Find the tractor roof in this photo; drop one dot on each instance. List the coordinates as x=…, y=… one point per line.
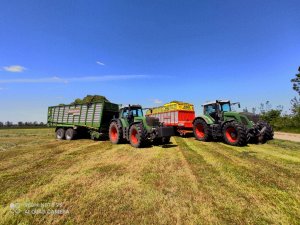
x=132, y=106
x=214, y=102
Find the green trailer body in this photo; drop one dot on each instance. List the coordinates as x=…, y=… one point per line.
x=94, y=116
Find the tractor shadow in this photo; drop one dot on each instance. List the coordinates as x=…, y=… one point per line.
x=169, y=145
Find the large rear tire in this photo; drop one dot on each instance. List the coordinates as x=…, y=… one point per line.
x=115, y=133
x=235, y=134
x=201, y=130
x=71, y=134
x=269, y=132
x=60, y=133
x=137, y=136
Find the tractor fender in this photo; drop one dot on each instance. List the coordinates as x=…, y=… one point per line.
x=206, y=119
x=227, y=121
x=117, y=121
x=133, y=123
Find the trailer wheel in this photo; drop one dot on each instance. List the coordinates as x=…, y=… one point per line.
x=70, y=134
x=235, y=134
x=60, y=133
x=137, y=136
x=115, y=133
x=201, y=130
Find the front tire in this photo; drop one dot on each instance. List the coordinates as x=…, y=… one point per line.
x=235, y=134
x=115, y=133
x=201, y=130
x=136, y=136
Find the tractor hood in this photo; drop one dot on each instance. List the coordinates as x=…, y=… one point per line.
x=240, y=117
x=150, y=121
x=251, y=116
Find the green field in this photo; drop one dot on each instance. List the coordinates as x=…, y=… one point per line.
x=187, y=182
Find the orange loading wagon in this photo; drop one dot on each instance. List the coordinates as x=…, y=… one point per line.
x=179, y=115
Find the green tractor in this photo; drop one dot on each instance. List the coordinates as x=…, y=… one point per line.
x=220, y=122
x=131, y=125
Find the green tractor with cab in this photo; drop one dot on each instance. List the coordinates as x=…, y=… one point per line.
x=235, y=128
x=131, y=125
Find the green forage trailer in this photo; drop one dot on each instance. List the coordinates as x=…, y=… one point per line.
x=71, y=121
x=105, y=118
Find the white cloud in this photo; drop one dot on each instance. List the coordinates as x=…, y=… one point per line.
x=157, y=101
x=75, y=79
x=14, y=68
x=100, y=63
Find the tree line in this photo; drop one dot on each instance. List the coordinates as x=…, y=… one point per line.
x=9, y=124
x=280, y=120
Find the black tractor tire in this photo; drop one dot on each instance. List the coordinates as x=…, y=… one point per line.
x=71, y=134
x=115, y=133
x=60, y=133
x=235, y=134
x=165, y=140
x=137, y=135
x=201, y=130
x=269, y=132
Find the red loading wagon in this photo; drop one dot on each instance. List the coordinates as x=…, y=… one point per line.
x=179, y=115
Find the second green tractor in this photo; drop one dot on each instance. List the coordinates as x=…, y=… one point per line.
x=220, y=122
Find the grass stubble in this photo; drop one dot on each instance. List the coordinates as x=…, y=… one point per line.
x=189, y=182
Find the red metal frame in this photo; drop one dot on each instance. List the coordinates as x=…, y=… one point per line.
x=181, y=119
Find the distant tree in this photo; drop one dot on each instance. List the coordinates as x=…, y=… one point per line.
x=20, y=124
x=268, y=106
x=42, y=124
x=271, y=115
x=245, y=109
x=254, y=110
x=262, y=108
x=296, y=82
x=295, y=105
x=8, y=124
x=1, y=124
x=295, y=102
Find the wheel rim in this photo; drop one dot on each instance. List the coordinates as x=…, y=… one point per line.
x=231, y=134
x=68, y=135
x=113, y=133
x=59, y=134
x=133, y=137
x=200, y=130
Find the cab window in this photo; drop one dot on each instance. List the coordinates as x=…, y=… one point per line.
x=137, y=112
x=210, y=109
x=125, y=113
x=226, y=107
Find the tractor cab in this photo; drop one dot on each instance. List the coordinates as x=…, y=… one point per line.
x=130, y=112
x=216, y=109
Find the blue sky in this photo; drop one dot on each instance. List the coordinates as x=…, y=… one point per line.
x=147, y=52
